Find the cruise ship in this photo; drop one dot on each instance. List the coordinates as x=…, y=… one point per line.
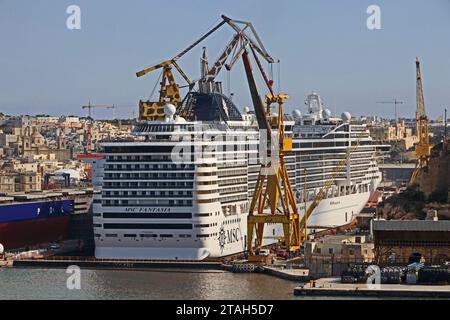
x=180, y=189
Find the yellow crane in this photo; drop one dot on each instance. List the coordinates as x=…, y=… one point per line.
x=273, y=187
x=169, y=90
x=423, y=147
x=295, y=229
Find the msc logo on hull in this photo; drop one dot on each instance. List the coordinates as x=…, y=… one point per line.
x=229, y=236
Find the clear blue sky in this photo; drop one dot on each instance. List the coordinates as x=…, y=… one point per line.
x=324, y=46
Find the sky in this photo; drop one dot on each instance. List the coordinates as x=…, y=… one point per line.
x=324, y=46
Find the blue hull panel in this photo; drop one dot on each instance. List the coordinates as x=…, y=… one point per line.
x=35, y=210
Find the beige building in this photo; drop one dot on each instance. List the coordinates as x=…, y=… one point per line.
x=399, y=134
x=6, y=139
x=20, y=182
x=330, y=255
x=34, y=144
x=7, y=182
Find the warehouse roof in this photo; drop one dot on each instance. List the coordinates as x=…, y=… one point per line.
x=411, y=225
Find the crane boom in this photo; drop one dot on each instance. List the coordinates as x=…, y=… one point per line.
x=273, y=189
x=259, y=47
x=170, y=90
x=214, y=71
x=260, y=113
x=423, y=147
x=90, y=106
x=182, y=53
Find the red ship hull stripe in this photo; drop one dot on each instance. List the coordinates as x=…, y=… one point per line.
x=22, y=234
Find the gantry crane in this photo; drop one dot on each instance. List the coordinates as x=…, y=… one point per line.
x=273, y=199
x=273, y=187
x=423, y=147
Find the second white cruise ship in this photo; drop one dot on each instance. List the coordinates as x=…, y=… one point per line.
x=181, y=188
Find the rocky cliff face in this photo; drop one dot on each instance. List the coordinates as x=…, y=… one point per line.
x=403, y=206
x=420, y=203
x=399, y=208
x=436, y=177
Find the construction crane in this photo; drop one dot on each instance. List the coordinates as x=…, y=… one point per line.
x=90, y=107
x=423, y=147
x=395, y=102
x=273, y=186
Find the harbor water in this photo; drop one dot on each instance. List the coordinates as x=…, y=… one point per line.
x=151, y=285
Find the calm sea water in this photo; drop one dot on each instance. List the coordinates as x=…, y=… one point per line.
x=110, y=284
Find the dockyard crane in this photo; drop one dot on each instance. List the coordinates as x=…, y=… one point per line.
x=273, y=200
x=170, y=90
x=423, y=147
x=241, y=36
x=273, y=189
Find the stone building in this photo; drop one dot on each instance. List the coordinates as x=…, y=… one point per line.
x=34, y=144
x=403, y=241
x=20, y=182
x=398, y=134
x=330, y=255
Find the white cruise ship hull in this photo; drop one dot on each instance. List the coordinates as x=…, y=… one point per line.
x=330, y=212
x=181, y=190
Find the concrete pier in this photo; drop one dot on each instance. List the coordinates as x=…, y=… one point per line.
x=117, y=264
x=333, y=287
x=299, y=275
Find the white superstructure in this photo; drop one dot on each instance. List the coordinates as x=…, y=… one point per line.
x=181, y=189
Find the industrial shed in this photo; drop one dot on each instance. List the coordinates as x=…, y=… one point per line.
x=407, y=241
